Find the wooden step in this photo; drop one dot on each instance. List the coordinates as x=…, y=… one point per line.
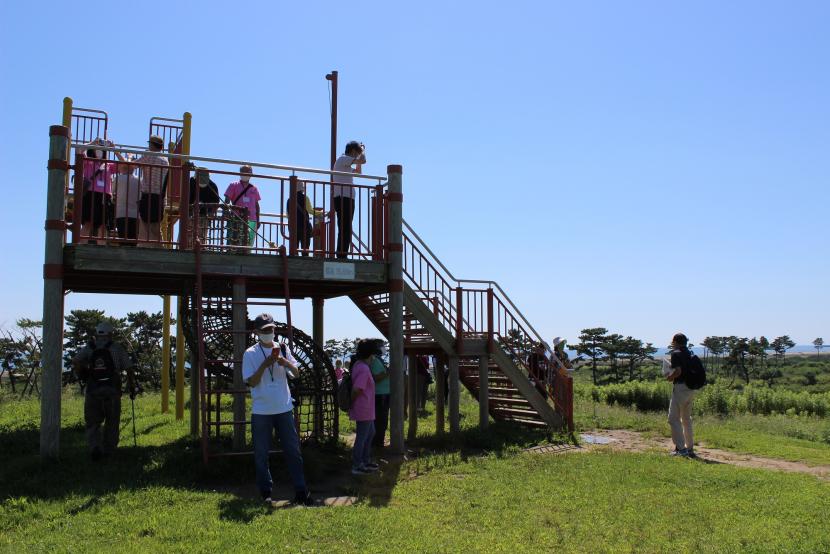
x=527, y=422
x=514, y=401
x=516, y=413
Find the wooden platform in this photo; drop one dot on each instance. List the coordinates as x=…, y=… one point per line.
x=132, y=270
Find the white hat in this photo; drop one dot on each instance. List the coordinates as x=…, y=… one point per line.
x=103, y=328
x=557, y=341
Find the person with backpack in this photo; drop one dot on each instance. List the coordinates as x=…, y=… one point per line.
x=99, y=365
x=266, y=368
x=362, y=409
x=243, y=222
x=687, y=375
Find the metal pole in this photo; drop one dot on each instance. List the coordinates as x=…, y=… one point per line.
x=396, y=287
x=333, y=78
x=52, y=364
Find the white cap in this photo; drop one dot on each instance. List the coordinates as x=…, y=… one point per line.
x=557, y=341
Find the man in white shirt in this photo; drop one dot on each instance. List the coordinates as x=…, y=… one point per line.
x=343, y=194
x=266, y=367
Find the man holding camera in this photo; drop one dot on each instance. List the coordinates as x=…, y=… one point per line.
x=343, y=192
x=266, y=367
x=99, y=365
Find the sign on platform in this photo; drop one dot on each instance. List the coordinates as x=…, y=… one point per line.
x=338, y=270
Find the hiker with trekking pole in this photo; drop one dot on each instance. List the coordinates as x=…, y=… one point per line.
x=100, y=364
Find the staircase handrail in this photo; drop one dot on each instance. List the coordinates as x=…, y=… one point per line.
x=494, y=284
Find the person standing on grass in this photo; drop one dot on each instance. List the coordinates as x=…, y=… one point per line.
x=266, y=367
x=680, y=406
x=380, y=373
x=99, y=366
x=344, y=195
x=362, y=411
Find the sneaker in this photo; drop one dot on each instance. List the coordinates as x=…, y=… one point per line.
x=360, y=471
x=303, y=499
x=371, y=466
x=266, y=497
x=691, y=454
x=682, y=452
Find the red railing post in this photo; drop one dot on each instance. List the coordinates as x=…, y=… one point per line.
x=377, y=224
x=490, y=344
x=292, y=215
x=78, y=196
x=459, y=317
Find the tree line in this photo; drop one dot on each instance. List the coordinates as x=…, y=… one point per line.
x=622, y=357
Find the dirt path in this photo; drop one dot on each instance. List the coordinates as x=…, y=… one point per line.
x=632, y=441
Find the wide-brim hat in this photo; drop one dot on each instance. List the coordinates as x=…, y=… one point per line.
x=156, y=140
x=103, y=328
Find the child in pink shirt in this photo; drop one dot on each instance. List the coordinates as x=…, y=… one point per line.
x=362, y=411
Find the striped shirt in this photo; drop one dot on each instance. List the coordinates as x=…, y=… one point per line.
x=152, y=177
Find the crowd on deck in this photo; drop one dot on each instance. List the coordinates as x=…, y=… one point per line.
x=127, y=197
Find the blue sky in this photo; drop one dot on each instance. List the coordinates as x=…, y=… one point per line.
x=644, y=166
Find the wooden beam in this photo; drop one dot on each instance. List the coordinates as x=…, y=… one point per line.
x=483, y=392
x=396, y=301
x=51, y=356
x=240, y=324
x=440, y=394
x=455, y=391
x=412, y=389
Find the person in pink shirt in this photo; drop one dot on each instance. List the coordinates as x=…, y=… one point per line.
x=242, y=224
x=362, y=410
x=97, y=192
x=338, y=370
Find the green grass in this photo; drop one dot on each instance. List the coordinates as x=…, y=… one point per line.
x=481, y=494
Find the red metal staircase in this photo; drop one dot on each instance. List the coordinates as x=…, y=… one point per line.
x=469, y=319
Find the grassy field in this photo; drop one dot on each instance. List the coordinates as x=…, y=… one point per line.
x=478, y=494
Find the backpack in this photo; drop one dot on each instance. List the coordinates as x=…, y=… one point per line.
x=101, y=366
x=344, y=392
x=694, y=373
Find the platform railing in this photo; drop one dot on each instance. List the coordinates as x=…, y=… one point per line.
x=306, y=220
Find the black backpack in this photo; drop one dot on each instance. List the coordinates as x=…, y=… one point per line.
x=694, y=373
x=101, y=366
x=344, y=392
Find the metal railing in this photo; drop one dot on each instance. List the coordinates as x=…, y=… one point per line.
x=307, y=220
x=475, y=313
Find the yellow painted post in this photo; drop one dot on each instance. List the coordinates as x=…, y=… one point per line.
x=194, y=382
x=165, y=358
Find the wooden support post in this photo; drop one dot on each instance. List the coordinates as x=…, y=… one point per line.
x=395, y=249
x=317, y=326
x=165, y=356
x=51, y=357
x=455, y=414
x=180, y=358
x=412, y=401
x=483, y=392
x=240, y=323
x=317, y=320
x=440, y=394
x=195, y=398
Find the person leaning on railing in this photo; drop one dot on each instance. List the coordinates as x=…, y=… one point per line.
x=244, y=195
x=304, y=211
x=97, y=192
x=204, y=191
x=343, y=193
x=126, y=203
x=151, y=202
